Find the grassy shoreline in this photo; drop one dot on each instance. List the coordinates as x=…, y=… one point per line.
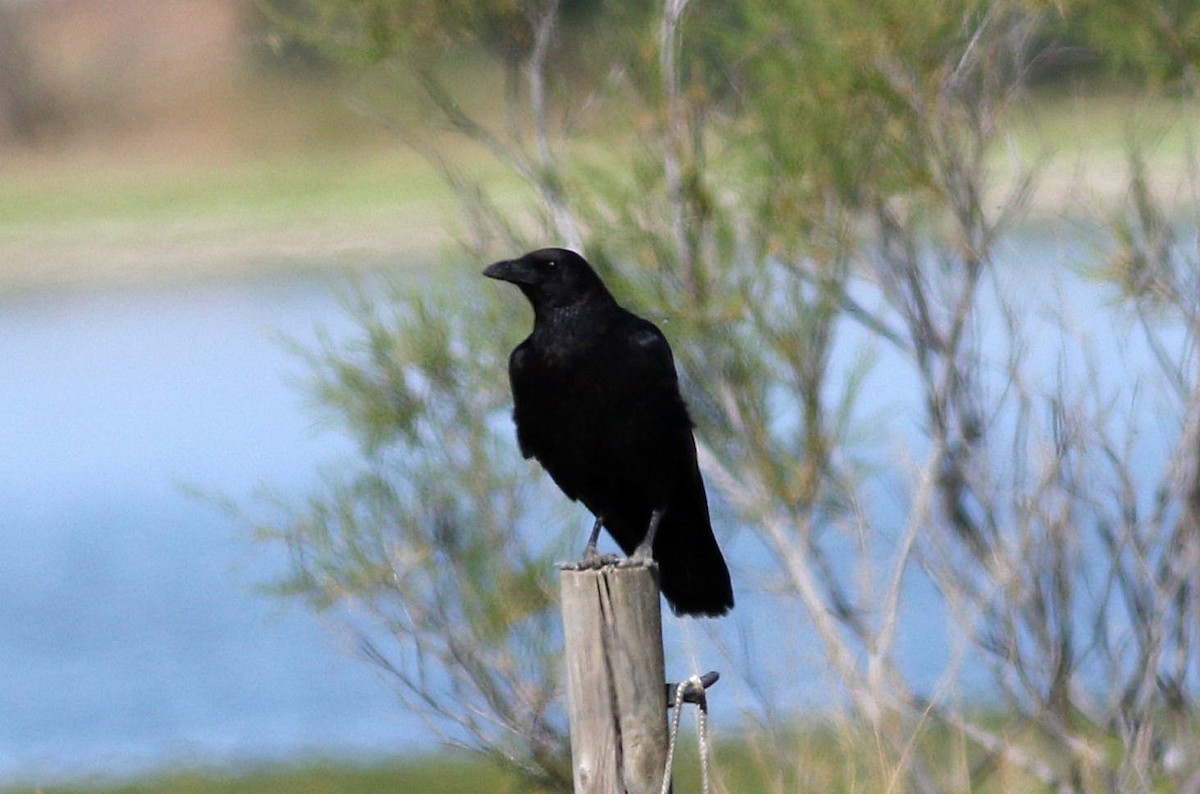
x=819, y=754
x=426, y=774
x=92, y=218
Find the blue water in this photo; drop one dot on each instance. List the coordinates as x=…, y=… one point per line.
x=131, y=632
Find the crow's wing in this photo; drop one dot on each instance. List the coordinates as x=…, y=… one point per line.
x=524, y=378
x=651, y=359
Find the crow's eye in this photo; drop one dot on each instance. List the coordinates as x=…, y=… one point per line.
x=553, y=263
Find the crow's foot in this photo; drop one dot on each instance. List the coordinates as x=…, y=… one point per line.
x=642, y=556
x=591, y=560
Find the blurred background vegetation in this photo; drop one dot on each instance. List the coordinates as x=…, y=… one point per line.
x=766, y=175
x=203, y=141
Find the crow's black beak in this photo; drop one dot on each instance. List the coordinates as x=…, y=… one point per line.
x=515, y=271
x=498, y=270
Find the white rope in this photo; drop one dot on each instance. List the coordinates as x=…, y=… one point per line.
x=695, y=684
x=702, y=740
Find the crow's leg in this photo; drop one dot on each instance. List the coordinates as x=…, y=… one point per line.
x=595, y=536
x=591, y=558
x=644, y=553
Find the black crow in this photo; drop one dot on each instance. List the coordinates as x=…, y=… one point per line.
x=596, y=400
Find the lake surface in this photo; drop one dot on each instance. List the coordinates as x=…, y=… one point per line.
x=131, y=632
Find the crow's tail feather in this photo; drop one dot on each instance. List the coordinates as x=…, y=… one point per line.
x=692, y=573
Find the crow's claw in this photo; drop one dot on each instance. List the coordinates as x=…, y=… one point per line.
x=642, y=556
x=591, y=560
x=594, y=560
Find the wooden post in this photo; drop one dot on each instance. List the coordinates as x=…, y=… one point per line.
x=612, y=620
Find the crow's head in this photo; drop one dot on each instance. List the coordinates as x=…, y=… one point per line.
x=550, y=277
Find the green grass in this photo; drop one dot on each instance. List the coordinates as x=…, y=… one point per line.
x=833, y=756
x=91, y=220
x=277, y=149
x=370, y=175
x=1101, y=124
x=96, y=192
x=735, y=764
x=427, y=775
x=299, y=181
x=272, y=179
x=827, y=759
